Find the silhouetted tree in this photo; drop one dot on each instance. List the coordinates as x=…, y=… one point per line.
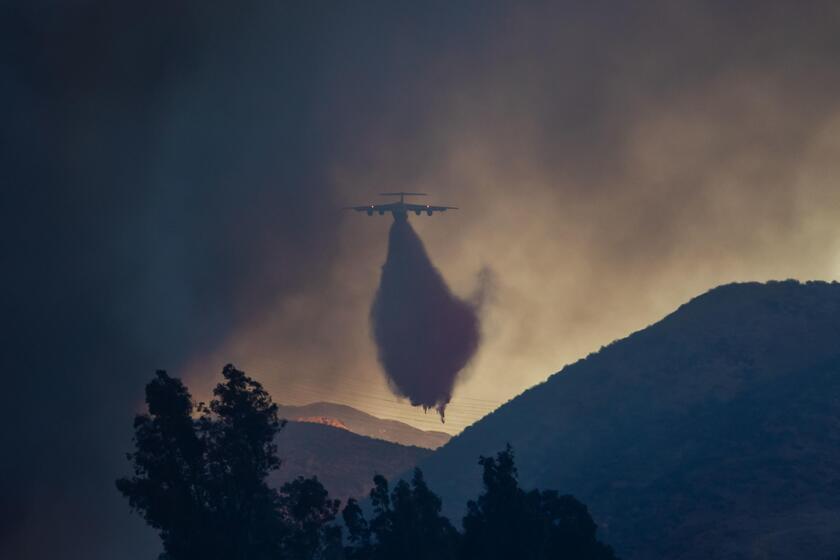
x=239, y=427
x=200, y=477
x=308, y=513
x=507, y=522
x=406, y=524
x=169, y=486
x=358, y=532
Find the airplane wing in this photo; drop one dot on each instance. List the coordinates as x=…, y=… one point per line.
x=399, y=208
x=427, y=208
x=371, y=208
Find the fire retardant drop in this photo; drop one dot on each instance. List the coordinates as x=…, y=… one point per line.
x=424, y=334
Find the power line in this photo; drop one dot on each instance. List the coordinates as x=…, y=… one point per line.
x=364, y=383
x=367, y=394
x=380, y=402
x=394, y=413
x=398, y=412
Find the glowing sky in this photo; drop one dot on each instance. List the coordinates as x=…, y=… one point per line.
x=606, y=170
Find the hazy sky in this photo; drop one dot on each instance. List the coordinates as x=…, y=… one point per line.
x=608, y=166
x=174, y=173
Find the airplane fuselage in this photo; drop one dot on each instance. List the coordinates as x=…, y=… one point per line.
x=400, y=209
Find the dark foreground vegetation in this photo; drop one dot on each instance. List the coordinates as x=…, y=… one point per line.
x=200, y=480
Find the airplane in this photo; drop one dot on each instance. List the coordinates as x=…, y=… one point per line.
x=400, y=209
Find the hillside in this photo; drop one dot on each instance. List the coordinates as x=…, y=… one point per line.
x=343, y=461
x=340, y=415
x=711, y=434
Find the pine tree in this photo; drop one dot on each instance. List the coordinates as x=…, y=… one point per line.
x=406, y=524
x=508, y=522
x=309, y=512
x=200, y=477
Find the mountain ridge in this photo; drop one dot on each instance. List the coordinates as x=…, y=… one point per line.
x=344, y=462
x=365, y=424
x=632, y=429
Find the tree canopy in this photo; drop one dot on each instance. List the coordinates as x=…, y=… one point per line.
x=406, y=524
x=200, y=476
x=508, y=522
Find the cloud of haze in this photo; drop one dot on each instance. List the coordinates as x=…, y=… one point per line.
x=609, y=163
x=173, y=173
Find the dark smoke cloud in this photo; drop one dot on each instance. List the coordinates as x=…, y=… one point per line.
x=170, y=172
x=425, y=335
x=146, y=154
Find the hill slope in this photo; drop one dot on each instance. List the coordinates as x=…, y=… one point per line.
x=711, y=434
x=365, y=424
x=343, y=461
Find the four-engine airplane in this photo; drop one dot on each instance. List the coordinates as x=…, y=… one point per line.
x=402, y=208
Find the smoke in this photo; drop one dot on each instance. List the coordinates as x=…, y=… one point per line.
x=172, y=166
x=425, y=335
